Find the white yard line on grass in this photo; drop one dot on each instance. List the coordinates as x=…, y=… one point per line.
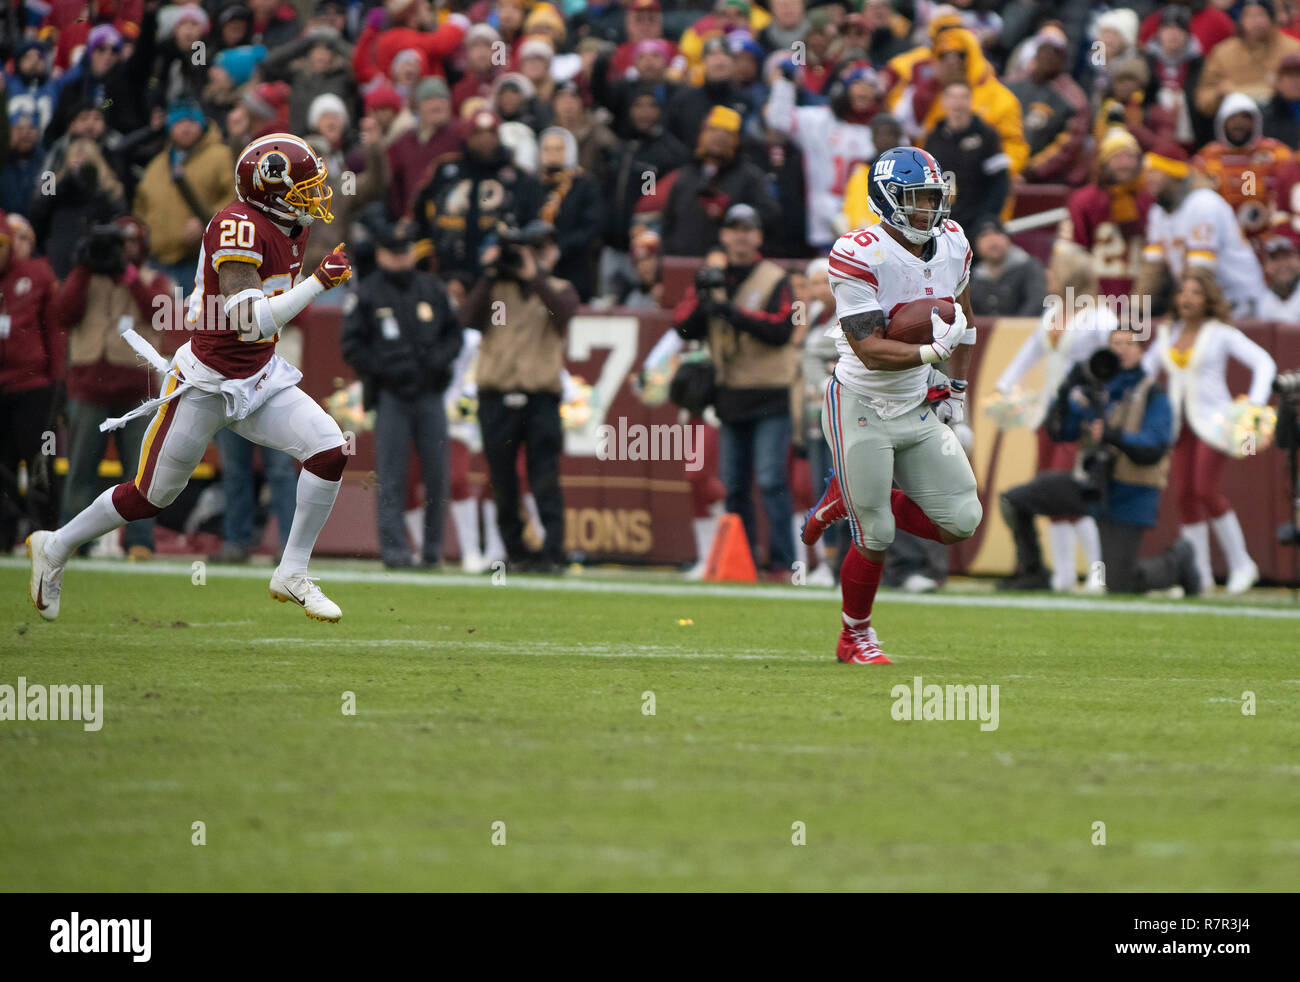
x=577, y=584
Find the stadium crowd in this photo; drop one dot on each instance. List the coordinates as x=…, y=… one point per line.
x=586, y=141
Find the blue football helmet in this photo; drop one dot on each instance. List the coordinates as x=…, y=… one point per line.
x=897, y=177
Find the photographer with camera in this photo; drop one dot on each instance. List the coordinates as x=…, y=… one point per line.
x=1124, y=426
x=523, y=312
x=745, y=311
x=402, y=337
x=109, y=288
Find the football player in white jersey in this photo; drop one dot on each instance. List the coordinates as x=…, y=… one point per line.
x=1193, y=226
x=885, y=416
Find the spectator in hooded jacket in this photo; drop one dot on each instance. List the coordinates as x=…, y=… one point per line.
x=572, y=206
x=597, y=145
x=715, y=180
x=955, y=57
x=1244, y=166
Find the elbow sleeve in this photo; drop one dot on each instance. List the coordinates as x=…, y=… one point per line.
x=274, y=312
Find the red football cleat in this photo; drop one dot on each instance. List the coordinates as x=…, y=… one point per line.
x=826, y=512
x=858, y=646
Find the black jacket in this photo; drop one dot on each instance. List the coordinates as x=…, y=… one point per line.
x=577, y=233
x=976, y=166
x=688, y=230
x=641, y=155
x=1280, y=123
x=691, y=105
x=402, y=337
x=121, y=92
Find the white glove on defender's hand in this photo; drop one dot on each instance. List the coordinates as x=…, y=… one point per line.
x=947, y=336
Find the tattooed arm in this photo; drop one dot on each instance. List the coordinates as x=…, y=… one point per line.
x=866, y=336
x=241, y=286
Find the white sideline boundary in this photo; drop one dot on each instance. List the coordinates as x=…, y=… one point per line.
x=579, y=584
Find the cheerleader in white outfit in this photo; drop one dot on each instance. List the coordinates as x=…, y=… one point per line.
x=1193, y=353
x=1068, y=333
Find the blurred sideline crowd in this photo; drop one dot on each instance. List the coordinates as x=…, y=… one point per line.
x=539, y=156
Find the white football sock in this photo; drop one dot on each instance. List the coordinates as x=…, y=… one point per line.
x=413, y=519
x=315, y=499
x=534, y=516
x=800, y=550
x=1198, y=534
x=1085, y=530
x=97, y=518
x=493, y=549
x=705, y=529
x=1061, y=537
x=464, y=515
x=1227, y=529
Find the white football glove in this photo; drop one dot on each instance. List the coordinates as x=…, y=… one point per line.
x=953, y=409
x=947, y=336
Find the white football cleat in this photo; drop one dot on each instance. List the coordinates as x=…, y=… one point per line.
x=919, y=583
x=303, y=591
x=821, y=576
x=473, y=562
x=47, y=579
x=1243, y=578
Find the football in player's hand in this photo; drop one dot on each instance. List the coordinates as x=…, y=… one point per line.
x=911, y=322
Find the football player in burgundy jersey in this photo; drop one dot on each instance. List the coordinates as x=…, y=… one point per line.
x=248, y=285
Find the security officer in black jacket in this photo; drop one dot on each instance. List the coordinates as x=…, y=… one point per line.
x=401, y=336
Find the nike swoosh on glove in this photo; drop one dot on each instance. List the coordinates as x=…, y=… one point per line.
x=334, y=268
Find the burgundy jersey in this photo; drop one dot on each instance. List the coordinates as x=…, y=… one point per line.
x=239, y=233
x=1116, y=247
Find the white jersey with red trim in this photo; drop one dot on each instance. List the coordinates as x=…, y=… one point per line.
x=869, y=270
x=1203, y=231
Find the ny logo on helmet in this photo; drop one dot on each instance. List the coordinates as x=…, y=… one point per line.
x=884, y=168
x=273, y=168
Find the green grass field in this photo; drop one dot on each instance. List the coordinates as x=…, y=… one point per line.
x=522, y=704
